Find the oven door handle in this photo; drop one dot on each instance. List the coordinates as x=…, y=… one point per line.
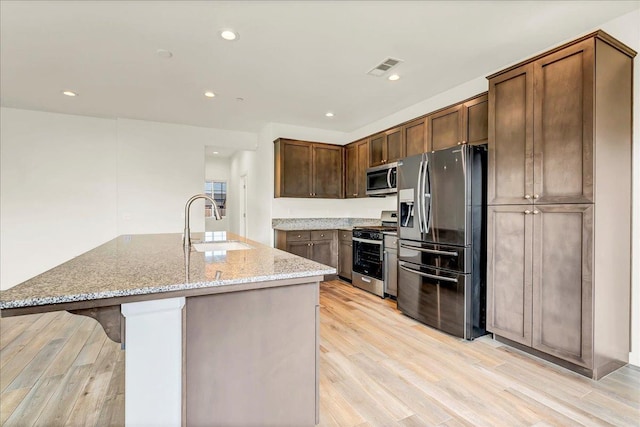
x=430, y=251
x=427, y=275
x=374, y=242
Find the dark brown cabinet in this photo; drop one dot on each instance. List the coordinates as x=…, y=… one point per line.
x=357, y=162
x=386, y=147
x=307, y=169
x=318, y=245
x=345, y=253
x=445, y=128
x=539, y=270
x=414, y=134
x=465, y=123
x=559, y=194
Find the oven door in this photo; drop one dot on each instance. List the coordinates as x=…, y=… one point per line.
x=367, y=257
x=434, y=296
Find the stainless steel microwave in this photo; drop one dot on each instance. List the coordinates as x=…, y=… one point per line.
x=382, y=180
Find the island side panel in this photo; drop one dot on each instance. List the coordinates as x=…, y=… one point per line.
x=252, y=357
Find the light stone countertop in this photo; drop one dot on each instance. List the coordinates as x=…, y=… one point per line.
x=155, y=263
x=296, y=224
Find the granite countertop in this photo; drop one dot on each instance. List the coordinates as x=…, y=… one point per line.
x=155, y=263
x=295, y=224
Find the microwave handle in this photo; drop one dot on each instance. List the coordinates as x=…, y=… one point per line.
x=389, y=185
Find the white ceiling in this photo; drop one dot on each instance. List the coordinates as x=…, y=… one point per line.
x=294, y=61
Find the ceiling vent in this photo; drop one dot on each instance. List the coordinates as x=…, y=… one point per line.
x=382, y=68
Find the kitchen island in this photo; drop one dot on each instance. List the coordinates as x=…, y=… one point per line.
x=224, y=337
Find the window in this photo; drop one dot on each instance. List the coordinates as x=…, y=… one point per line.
x=217, y=190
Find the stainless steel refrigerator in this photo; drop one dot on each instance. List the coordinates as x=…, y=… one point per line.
x=442, y=232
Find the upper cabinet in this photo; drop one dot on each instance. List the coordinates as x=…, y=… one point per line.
x=312, y=169
x=445, y=128
x=542, y=129
x=356, y=162
x=308, y=169
x=414, y=134
x=386, y=147
x=465, y=123
x=476, y=120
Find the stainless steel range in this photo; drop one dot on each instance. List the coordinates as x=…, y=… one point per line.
x=368, y=254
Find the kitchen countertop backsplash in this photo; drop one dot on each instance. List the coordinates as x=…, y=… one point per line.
x=286, y=224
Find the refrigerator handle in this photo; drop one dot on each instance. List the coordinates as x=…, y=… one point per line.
x=427, y=275
x=417, y=202
x=427, y=178
x=424, y=226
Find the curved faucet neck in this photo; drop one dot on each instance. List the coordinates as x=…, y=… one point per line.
x=187, y=208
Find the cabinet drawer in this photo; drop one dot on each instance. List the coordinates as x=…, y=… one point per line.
x=322, y=235
x=345, y=236
x=296, y=236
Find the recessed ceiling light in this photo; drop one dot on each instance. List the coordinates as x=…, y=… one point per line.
x=163, y=53
x=394, y=77
x=229, y=35
x=329, y=114
x=209, y=94
x=215, y=152
x=69, y=93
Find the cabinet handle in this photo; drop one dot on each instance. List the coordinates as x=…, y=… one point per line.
x=527, y=212
x=355, y=194
x=535, y=212
x=464, y=142
x=536, y=196
x=322, y=235
x=299, y=235
x=311, y=194
x=526, y=196
x=459, y=143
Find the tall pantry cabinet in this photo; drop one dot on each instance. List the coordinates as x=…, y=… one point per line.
x=559, y=204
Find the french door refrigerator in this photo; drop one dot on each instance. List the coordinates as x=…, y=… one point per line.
x=442, y=233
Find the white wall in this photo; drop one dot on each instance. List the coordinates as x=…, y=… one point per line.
x=58, y=189
x=218, y=169
x=627, y=30
x=70, y=183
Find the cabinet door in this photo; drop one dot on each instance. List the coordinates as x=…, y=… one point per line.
x=345, y=259
x=351, y=167
x=563, y=126
x=322, y=252
x=510, y=162
x=377, y=149
x=476, y=120
x=327, y=171
x=414, y=137
x=509, y=275
x=295, y=173
x=562, y=282
x=363, y=165
x=445, y=128
x=302, y=249
x=395, y=149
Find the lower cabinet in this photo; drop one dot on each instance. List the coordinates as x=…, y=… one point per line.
x=345, y=254
x=318, y=245
x=540, y=279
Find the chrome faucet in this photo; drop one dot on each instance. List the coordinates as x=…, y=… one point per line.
x=187, y=231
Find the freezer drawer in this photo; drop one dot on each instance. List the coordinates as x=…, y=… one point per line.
x=453, y=258
x=440, y=299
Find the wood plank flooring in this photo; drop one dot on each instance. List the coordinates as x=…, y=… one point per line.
x=377, y=368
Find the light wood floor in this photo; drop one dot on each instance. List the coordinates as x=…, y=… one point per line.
x=378, y=368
